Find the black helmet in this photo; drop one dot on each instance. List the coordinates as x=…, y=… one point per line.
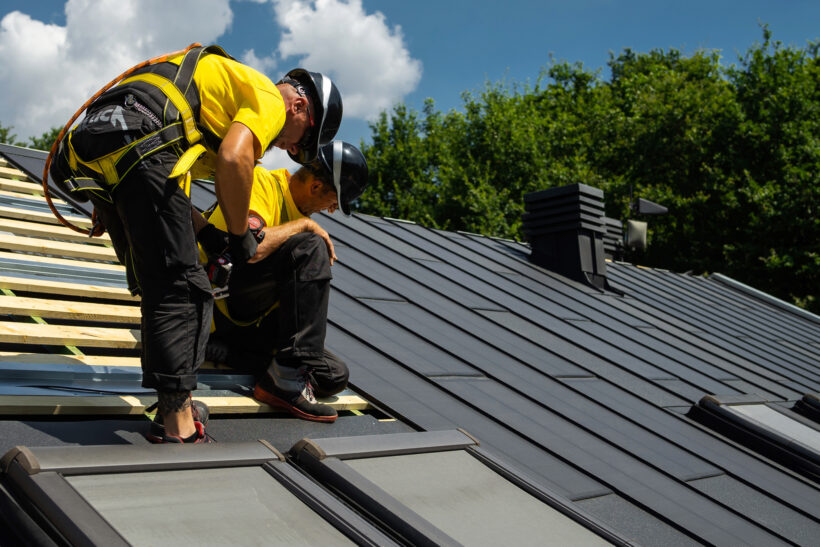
x=346, y=167
x=327, y=111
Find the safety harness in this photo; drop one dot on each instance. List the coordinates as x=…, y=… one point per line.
x=167, y=87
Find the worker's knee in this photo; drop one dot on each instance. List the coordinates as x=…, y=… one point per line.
x=310, y=257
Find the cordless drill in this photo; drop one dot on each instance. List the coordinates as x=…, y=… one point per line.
x=219, y=267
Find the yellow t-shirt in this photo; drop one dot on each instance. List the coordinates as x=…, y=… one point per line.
x=270, y=200
x=232, y=92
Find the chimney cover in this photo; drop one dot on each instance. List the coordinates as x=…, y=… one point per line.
x=565, y=228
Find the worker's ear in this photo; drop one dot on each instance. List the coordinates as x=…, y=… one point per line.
x=316, y=187
x=299, y=104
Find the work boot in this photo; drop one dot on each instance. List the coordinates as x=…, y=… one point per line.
x=199, y=437
x=298, y=400
x=199, y=411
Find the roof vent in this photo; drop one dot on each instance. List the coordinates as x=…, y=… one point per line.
x=565, y=228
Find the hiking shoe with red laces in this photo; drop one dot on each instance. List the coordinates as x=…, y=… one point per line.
x=199, y=437
x=301, y=403
x=199, y=412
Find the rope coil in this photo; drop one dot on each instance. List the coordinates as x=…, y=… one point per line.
x=97, y=229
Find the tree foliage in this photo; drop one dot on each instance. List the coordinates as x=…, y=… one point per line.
x=6, y=136
x=733, y=152
x=43, y=142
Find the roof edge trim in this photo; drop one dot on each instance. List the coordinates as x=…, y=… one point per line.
x=760, y=295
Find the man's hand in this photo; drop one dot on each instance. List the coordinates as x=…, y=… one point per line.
x=213, y=240
x=318, y=230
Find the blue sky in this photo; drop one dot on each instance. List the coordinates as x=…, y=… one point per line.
x=459, y=44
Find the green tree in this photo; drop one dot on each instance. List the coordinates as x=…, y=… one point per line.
x=6, y=136
x=44, y=141
x=778, y=157
x=733, y=152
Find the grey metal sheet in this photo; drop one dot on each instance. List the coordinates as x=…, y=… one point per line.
x=578, y=429
x=83, y=460
x=469, y=502
x=371, y=446
x=771, y=326
x=384, y=265
x=631, y=520
x=779, y=370
x=425, y=406
x=725, y=307
x=79, y=274
x=350, y=282
x=516, y=257
x=394, y=339
x=521, y=286
x=687, y=391
x=733, y=370
x=649, y=392
x=769, y=512
x=782, y=394
x=664, y=356
x=754, y=349
x=471, y=349
x=683, y=305
x=251, y=508
x=339, y=224
x=757, y=310
x=579, y=349
x=40, y=206
x=59, y=370
x=680, y=341
x=474, y=275
x=690, y=436
x=637, y=349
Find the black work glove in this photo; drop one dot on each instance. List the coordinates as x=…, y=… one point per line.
x=213, y=240
x=241, y=248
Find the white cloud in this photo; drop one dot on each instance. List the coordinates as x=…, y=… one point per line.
x=262, y=64
x=276, y=158
x=365, y=57
x=48, y=71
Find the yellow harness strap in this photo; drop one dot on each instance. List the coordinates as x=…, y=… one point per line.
x=187, y=159
x=105, y=165
x=176, y=97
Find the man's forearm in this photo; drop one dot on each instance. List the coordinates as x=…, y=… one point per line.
x=234, y=176
x=275, y=236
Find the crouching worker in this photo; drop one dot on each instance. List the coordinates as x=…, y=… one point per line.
x=276, y=311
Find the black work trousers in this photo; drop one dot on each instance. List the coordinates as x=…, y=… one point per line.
x=297, y=277
x=149, y=220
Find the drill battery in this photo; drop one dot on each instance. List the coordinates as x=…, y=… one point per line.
x=219, y=268
x=219, y=273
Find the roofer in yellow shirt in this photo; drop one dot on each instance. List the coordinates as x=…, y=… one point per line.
x=277, y=306
x=201, y=112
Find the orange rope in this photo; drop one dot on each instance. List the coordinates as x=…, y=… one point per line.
x=99, y=229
